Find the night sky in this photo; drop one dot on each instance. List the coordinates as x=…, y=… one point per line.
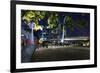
x=75, y=18
x=85, y=31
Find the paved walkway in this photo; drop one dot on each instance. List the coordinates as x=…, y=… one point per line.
x=60, y=54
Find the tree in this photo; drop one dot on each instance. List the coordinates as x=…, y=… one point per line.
x=32, y=17
x=35, y=16
x=67, y=22
x=53, y=20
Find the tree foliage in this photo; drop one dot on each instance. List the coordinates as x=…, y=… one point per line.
x=35, y=16
x=69, y=23
x=53, y=19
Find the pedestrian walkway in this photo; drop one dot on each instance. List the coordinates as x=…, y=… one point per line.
x=61, y=54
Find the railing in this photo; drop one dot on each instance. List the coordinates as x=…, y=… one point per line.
x=76, y=41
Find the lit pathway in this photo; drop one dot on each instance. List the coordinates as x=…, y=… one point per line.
x=58, y=54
